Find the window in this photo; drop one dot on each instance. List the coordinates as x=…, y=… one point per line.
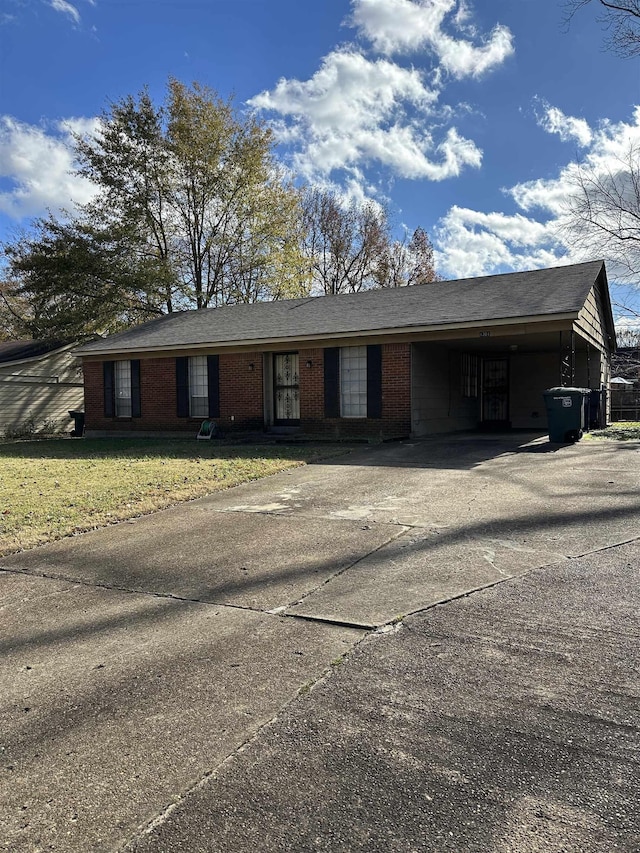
x=198, y=387
x=122, y=389
x=469, y=375
x=122, y=386
x=353, y=382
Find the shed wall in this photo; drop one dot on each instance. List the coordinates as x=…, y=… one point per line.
x=39, y=391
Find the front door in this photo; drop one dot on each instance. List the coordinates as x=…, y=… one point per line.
x=286, y=389
x=495, y=392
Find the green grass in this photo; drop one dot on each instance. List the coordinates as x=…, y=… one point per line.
x=54, y=488
x=620, y=431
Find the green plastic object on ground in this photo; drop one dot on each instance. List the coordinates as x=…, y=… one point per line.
x=567, y=413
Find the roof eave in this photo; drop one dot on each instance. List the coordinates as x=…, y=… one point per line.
x=40, y=357
x=322, y=336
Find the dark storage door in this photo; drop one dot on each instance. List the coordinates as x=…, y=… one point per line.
x=495, y=392
x=286, y=389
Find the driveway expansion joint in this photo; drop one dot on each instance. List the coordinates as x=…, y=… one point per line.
x=54, y=576
x=146, y=828
x=405, y=529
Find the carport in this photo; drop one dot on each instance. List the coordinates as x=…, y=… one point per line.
x=492, y=376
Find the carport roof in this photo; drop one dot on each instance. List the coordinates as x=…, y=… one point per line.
x=534, y=295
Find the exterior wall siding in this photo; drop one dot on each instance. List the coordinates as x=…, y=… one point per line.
x=242, y=397
x=438, y=404
x=530, y=375
x=591, y=319
x=40, y=391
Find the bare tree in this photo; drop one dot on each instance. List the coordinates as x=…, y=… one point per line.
x=603, y=213
x=344, y=244
x=629, y=338
x=621, y=18
x=408, y=262
x=625, y=362
x=349, y=247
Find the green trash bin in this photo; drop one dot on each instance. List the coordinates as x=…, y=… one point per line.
x=566, y=413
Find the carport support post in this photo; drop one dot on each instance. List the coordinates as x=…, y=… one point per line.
x=568, y=361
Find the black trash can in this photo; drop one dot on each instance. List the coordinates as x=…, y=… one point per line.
x=78, y=429
x=567, y=413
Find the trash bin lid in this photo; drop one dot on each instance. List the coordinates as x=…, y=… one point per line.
x=564, y=390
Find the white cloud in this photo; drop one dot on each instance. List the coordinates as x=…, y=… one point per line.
x=38, y=163
x=568, y=128
x=66, y=8
x=470, y=242
x=364, y=109
x=356, y=111
x=408, y=26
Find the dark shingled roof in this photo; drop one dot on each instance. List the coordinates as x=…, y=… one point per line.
x=537, y=293
x=21, y=350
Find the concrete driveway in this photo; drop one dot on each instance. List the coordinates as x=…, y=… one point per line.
x=138, y=659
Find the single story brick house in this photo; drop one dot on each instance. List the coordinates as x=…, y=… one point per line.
x=40, y=382
x=447, y=356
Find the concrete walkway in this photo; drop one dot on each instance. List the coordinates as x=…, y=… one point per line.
x=138, y=659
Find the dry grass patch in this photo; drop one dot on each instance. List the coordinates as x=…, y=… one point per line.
x=619, y=431
x=51, y=489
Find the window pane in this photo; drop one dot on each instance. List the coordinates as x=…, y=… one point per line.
x=353, y=382
x=122, y=381
x=469, y=375
x=198, y=387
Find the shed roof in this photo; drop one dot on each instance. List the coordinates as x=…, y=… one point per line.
x=24, y=350
x=534, y=295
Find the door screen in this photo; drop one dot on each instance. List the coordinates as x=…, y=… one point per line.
x=495, y=390
x=286, y=388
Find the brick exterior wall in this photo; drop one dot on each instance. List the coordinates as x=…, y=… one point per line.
x=241, y=397
x=396, y=398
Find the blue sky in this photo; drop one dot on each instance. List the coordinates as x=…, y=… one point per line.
x=464, y=117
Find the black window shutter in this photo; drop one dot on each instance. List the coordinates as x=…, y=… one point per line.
x=109, y=391
x=331, y=382
x=213, y=380
x=374, y=381
x=182, y=387
x=136, y=406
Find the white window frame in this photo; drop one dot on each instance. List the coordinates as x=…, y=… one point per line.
x=353, y=382
x=198, y=386
x=122, y=388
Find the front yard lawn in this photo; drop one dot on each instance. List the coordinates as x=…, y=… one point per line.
x=620, y=431
x=54, y=488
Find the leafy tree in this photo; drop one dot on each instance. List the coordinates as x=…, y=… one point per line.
x=129, y=164
x=202, y=189
x=72, y=279
x=191, y=211
x=620, y=17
